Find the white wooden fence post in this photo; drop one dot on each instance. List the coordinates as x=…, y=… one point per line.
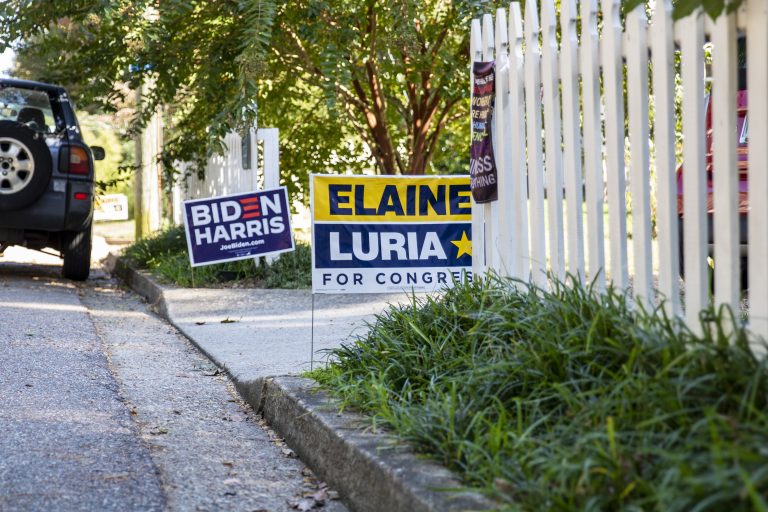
x=516, y=140
x=254, y=176
x=478, y=211
x=757, y=84
x=553, y=161
x=663, y=48
x=694, y=176
x=593, y=145
x=491, y=209
x=502, y=149
x=177, y=199
x=614, y=141
x=569, y=73
x=535, y=158
x=270, y=137
x=725, y=162
x=639, y=133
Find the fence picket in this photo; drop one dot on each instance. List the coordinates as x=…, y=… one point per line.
x=593, y=145
x=491, y=209
x=254, y=173
x=516, y=122
x=757, y=84
x=478, y=210
x=614, y=141
x=725, y=162
x=694, y=175
x=502, y=148
x=553, y=159
x=663, y=48
x=639, y=131
x=569, y=73
x=535, y=157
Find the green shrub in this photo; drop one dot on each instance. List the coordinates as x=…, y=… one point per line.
x=567, y=400
x=165, y=254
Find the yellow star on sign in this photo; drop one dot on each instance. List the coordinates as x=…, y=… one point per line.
x=464, y=245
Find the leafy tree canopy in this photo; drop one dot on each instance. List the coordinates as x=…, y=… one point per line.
x=197, y=55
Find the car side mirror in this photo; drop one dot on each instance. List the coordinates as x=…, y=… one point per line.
x=98, y=152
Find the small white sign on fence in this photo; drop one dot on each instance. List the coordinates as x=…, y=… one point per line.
x=110, y=207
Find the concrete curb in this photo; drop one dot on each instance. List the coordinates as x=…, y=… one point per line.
x=372, y=471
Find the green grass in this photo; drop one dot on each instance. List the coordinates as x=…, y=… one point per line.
x=165, y=254
x=565, y=400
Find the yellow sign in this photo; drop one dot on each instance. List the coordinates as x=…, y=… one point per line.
x=391, y=199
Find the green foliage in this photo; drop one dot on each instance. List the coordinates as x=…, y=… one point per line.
x=193, y=54
x=165, y=254
x=389, y=76
x=682, y=8
x=567, y=400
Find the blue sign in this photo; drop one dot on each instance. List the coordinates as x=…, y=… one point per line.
x=238, y=227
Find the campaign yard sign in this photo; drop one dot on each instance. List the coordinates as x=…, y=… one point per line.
x=238, y=227
x=375, y=234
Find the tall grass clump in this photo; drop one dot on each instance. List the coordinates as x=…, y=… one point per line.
x=165, y=254
x=567, y=399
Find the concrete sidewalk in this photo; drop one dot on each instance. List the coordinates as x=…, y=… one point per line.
x=263, y=339
x=263, y=333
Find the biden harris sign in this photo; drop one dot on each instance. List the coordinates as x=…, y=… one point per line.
x=238, y=227
x=382, y=234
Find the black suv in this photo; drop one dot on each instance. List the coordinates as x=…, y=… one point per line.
x=46, y=174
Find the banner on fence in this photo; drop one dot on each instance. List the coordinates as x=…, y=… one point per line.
x=482, y=164
x=375, y=234
x=238, y=227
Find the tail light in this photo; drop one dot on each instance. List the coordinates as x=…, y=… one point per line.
x=75, y=160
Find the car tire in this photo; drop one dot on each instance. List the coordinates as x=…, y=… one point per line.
x=76, y=249
x=21, y=146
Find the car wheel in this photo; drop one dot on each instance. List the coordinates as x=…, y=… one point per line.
x=76, y=249
x=25, y=165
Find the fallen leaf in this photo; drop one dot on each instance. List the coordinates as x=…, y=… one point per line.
x=303, y=505
x=288, y=452
x=228, y=463
x=199, y=323
x=504, y=486
x=28, y=385
x=320, y=496
x=229, y=321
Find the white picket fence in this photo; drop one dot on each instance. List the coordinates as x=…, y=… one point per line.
x=557, y=131
x=231, y=173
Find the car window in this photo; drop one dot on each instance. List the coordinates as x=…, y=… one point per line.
x=27, y=106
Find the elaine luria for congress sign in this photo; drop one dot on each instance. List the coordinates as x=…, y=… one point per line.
x=383, y=234
x=238, y=227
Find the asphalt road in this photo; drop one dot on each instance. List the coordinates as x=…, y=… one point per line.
x=103, y=406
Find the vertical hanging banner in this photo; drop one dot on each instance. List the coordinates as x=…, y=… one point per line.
x=374, y=234
x=238, y=227
x=482, y=164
